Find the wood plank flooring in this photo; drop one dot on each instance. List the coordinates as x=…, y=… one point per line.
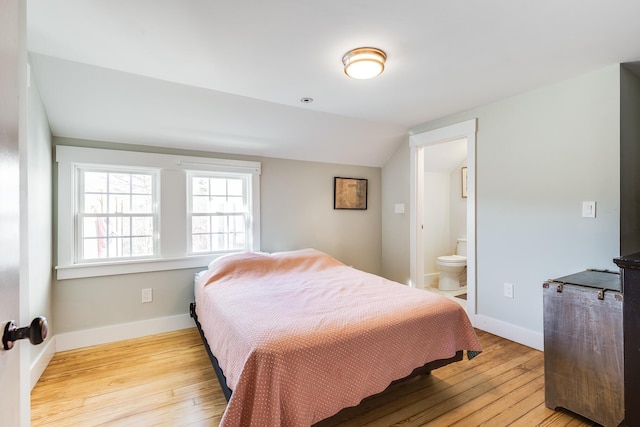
x=167, y=380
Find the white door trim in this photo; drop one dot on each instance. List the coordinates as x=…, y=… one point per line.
x=466, y=129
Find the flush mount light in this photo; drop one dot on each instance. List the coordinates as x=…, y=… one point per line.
x=364, y=62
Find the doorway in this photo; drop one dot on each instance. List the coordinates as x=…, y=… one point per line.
x=418, y=142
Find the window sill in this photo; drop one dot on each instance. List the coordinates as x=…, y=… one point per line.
x=79, y=271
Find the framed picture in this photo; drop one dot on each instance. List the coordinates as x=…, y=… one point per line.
x=349, y=193
x=464, y=182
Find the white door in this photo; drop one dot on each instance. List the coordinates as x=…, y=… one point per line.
x=13, y=402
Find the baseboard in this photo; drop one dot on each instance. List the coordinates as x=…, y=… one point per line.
x=42, y=361
x=123, y=331
x=509, y=331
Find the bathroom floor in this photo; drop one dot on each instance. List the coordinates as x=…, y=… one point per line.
x=459, y=295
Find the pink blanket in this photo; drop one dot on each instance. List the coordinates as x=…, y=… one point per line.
x=300, y=335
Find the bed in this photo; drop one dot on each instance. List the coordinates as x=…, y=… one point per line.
x=297, y=336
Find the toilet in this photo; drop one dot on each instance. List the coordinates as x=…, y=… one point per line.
x=453, y=268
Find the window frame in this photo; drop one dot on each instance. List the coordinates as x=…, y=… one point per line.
x=80, y=214
x=173, y=250
x=247, y=201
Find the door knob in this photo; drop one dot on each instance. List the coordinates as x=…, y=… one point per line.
x=36, y=332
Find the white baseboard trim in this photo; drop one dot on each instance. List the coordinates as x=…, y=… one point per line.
x=42, y=361
x=123, y=331
x=509, y=331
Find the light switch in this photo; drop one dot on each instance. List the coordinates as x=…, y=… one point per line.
x=399, y=208
x=588, y=209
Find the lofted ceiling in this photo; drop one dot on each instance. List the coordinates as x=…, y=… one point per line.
x=228, y=76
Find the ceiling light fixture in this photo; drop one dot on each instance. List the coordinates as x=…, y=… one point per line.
x=364, y=62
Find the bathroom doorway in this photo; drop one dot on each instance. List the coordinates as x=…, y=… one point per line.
x=445, y=218
x=462, y=131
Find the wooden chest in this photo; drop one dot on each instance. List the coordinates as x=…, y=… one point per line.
x=583, y=346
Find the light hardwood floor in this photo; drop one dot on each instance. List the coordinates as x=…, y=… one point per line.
x=167, y=380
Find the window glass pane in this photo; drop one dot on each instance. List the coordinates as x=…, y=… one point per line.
x=200, y=224
x=89, y=249
x=236, y=240
x=141, y=184
x=141, y=246
x=200, y=186
x=119, y=226
x=95, y=203
x=142, y=226
x=201, y=243
x=219, y=242
x=218, y=224
x=95, y=182
x=119, y=247
x=237, y=224
x=141, y=204
x=235, y=204
x=219, y=186
x=218, y=204
x=119, y=203
x=235, y=187
x=200, y=204
x=90, y=227
x=119, y=183
x=95, y=230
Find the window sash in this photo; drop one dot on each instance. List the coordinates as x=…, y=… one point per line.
x=227, y=235
x=123, y=203
x=120, y=243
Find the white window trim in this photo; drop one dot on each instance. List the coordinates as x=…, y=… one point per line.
x=247, y=199
x=155, y=174
x=68, y=157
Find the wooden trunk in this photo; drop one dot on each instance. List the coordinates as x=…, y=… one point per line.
x=583, y=351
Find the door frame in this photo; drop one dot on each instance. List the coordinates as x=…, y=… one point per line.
x=417, y=142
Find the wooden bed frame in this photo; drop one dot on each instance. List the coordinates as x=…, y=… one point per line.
x=423, y=370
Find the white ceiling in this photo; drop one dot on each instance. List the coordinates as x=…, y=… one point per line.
x=227, y=76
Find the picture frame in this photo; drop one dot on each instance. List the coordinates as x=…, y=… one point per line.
x=464, y=181
x=350, y=193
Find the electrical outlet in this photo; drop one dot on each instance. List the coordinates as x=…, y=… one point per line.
x=508, y=290
x=147, y=295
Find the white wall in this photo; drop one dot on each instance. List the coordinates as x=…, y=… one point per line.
x=457, y=207
x=437, y=218
x=395, y=227
x=296, y=212
x=36, y=226
x=539, y=155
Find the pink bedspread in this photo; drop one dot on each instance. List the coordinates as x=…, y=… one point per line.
x=300, y=335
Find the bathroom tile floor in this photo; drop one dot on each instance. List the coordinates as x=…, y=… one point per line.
x=454, y=295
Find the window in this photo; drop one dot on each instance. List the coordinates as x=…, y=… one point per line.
x=219, y=212
x=125, y=212
x=117, y=214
